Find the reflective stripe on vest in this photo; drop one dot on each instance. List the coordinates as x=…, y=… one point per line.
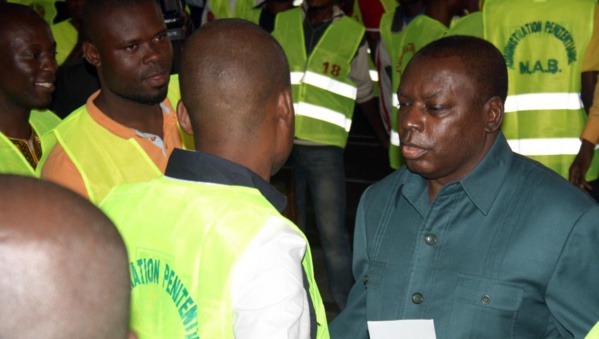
x=543, y=101
x=12, y=160
x=323, y=94
x=324, y=114
x=196, y=253
x=329, y=84
x=544, y=48
x=545, y=146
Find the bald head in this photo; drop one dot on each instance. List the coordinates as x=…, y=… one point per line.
x=483, y=60
x=64, y=265
x=232, y=72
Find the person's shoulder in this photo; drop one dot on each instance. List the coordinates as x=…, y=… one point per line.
x=545, y=185
x=73, y=120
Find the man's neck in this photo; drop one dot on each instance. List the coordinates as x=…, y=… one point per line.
x=132, y=114
x=319, y=15
x=14, y=122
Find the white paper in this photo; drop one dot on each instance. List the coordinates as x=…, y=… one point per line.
x=402, y=329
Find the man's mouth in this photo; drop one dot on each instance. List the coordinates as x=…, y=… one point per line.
x=411, y=152
x=48, y=85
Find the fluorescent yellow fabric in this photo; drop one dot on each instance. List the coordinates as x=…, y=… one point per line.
x=544, y=47
x=65, y=36
x=103, y=168
x=11, y=159
x=323, y=95
x=193, y=234
x=594, y=334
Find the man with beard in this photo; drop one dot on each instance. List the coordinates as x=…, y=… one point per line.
x=127, y=130
x=27, y=73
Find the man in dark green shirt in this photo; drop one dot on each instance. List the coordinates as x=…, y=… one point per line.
x=483, y=241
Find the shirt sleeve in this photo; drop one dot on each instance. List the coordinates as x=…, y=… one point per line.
x=572, y=295
x=351, y=322
x=60, y=169
x=267, y=289
x=360, y=74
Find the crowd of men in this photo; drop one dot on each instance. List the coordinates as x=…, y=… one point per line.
x=147, y=211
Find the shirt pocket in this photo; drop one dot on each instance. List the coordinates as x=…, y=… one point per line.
x=484, y=307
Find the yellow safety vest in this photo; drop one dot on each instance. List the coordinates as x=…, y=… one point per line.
x=66, y=37
x=323, y=95
x=183, y=254
x=12, y=160
x=253, y=15
x=94, y=155
x=471, y=24
x=594, y=333
x=544, y=47
x=222, y=10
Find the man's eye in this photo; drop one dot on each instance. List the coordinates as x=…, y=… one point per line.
x=404, y=104
x=161, y=37
x=31, y=55
x=435, y=108
x=131, y=48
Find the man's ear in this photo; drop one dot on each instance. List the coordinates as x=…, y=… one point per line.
x=183, y=117
x=91, y=54
x=494, y=112
x=285, y=108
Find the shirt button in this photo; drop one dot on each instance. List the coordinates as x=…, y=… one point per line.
x=417, y=298
x=430, y=239
x=485, y=299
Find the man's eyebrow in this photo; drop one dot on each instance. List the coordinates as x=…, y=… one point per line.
x=426, y=96
x=164, y=31
x=432, y=95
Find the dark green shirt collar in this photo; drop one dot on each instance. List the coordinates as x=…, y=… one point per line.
x=481, y=185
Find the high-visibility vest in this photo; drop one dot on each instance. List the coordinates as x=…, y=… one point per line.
x=471, y=24
x=103, y=159
x=323, y=95
x=544, y=47
x=392, y=42
x=12, y=160
x=65, y=35
x=221, y=9
x=594, y=333
x=183, y=254
x=253, y=15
